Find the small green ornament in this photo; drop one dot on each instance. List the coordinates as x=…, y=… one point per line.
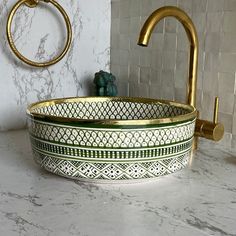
x=111, y=89
x=99, y=80
x=105, y=84
x=101, y=91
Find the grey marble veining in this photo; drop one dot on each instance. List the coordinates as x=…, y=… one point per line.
x=39, y=34
x=199, y=200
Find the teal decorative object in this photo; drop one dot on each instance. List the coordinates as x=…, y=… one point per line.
x=105, y=84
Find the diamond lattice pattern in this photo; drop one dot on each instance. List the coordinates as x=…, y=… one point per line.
x=112, y=110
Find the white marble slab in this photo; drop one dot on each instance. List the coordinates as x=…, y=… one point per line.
x=199, y=200
x=40, y=34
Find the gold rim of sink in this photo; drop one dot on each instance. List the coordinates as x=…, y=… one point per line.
x=135, y=122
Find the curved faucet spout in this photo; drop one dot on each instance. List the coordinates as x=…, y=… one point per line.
x=147, y=30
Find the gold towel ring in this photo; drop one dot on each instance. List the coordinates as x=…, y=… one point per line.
x=33, y=3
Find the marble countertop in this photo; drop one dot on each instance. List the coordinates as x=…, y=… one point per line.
x=199, y=200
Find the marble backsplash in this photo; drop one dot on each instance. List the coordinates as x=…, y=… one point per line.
x=39, y=34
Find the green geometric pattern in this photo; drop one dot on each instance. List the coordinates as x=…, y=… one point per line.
x=112, y=110
x=107, y=153
x=111, y=171
x=75, y=152
x=113, y=138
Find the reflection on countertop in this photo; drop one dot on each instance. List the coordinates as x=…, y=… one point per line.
x=199, y=200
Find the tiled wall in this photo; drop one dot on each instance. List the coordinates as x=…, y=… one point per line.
x=161, y=70
x=39, y=34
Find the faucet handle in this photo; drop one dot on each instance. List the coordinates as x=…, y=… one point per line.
x=216, y=110
x=210, y=130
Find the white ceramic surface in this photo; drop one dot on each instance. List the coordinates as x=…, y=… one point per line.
x=111, y=139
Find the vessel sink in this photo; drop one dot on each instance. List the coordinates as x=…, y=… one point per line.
x=111, y=138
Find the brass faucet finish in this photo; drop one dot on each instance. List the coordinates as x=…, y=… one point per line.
x=210, y=130
x=148, y=28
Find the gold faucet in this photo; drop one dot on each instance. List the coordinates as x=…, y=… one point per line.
x=210, y=130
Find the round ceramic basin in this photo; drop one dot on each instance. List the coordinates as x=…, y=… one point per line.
x=111, y=139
